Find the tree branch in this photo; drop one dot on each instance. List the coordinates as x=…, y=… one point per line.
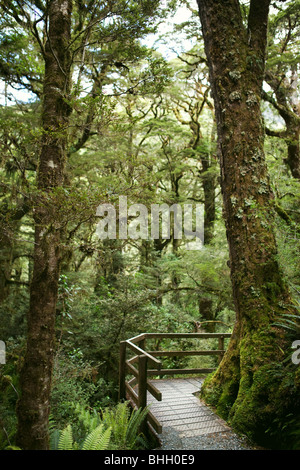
x=258, y=25
x=273, y=133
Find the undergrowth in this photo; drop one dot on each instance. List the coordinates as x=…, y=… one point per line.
x=113, y=428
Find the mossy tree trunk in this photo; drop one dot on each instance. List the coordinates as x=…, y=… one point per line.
x=33, y=406
x=244, y=386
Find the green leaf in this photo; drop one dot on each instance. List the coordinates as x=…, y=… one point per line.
x=66, y=439
x=98, y=439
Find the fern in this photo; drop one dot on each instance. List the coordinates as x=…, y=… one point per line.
x=125, y=426
x=89, y=420
x=65, y=441
x=132, y=434
x=98, y=439
x=118, y=428
x=117, y=418
x=290, y=322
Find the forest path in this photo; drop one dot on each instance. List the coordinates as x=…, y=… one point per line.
x=188, y=423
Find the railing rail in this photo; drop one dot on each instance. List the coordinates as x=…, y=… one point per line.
x=138, y=386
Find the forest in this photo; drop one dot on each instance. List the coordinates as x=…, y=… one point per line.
x=150, y=103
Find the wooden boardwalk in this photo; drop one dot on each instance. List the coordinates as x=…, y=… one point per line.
x=181, y=409
x=176, y=414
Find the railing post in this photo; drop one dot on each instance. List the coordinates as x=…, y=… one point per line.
x=122, y=371
x=142, y=381
x=142, y=390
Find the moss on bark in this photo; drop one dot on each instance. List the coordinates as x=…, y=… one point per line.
x=257, y=389
x=254, y=386
x=35, y=379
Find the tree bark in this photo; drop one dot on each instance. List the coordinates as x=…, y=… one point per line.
x=241, y=388
x=34, y=404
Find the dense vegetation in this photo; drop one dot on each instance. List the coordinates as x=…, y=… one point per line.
x=133, y=122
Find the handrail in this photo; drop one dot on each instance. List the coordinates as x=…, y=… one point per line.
x=137, y=387
x=140, y=351
x=186, y=335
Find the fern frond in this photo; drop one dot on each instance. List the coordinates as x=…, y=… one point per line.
x=98, y=439
x=125, y=425
x=54, y=439
x=135, y=421
x=117, y=419
x=66, y=439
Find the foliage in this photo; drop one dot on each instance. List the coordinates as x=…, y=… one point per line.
x=10, y=391
x=125, y=424
x=290, y=323
x=98, y=439
x=73, y=382
x=142, y=125
x=114, y=428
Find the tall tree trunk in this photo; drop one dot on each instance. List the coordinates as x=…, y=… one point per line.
x=33, y=407
x=244, y=387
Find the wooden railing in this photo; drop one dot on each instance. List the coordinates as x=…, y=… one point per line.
x=148, y=365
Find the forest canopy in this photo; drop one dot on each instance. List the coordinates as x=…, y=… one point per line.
x=163, y=103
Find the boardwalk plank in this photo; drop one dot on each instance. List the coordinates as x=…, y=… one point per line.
x=182, y=411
